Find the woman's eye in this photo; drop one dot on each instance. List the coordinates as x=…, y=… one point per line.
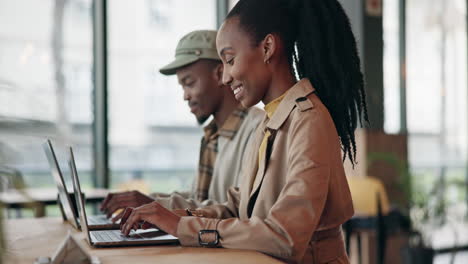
x=230, y=61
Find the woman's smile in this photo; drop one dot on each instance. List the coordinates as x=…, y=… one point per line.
x=238, y=92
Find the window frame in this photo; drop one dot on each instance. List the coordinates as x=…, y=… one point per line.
x=101, y=177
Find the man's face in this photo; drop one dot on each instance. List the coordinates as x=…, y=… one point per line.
x=201, y=87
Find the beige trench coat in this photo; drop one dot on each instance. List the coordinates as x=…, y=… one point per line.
x=290, y=205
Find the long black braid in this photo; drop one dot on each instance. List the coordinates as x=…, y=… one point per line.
x=320, y=45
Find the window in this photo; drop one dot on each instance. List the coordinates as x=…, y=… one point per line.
x=154, y=139
x=436, y=100
x=45, y=86
x=391, y=23
x=436, y=93
x=160, y=13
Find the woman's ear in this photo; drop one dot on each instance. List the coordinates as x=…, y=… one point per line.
x=269, y=47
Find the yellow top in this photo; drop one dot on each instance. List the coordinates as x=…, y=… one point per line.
x=270, y=109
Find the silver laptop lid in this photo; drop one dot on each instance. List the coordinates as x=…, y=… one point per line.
x=84, y=221
x=79, y=199
x=59, y=181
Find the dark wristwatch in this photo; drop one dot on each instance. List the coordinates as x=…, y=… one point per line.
x=205, y=239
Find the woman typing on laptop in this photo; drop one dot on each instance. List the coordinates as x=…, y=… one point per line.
x=299, y=58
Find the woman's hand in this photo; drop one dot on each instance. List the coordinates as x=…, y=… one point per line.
x=152, y=214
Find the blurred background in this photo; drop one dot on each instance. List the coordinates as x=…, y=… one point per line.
x=84, y=74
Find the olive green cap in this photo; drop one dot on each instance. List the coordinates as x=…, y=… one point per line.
x=200, y=44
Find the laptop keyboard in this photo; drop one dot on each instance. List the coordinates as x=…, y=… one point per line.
x=109, y=236
x=98, y=220
x=117, y=236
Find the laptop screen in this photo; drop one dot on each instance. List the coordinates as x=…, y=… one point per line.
x=78, y=198
x=62, y=190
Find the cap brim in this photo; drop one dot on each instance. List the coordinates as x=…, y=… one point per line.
x=171, y=68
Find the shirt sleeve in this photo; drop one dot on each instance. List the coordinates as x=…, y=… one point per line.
x=156, y=195
x=286, y=231
x=177, y=201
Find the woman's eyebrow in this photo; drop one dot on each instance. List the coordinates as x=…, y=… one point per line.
x=224, y=50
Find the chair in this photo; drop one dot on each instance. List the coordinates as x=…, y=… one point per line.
x=11, y=178
x=371, y=204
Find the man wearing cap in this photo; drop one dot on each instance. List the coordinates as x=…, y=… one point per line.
x=199, y=72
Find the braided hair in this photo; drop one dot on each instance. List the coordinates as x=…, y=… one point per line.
x=319, y=43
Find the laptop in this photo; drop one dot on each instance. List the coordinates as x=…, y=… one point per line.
x=96, y=222
x=64, y=198
x=112, y=238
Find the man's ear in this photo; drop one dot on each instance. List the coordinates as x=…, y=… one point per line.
x=218, y=72
x=269, y=45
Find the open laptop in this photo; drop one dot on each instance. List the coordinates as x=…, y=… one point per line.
x=96, y=222
x=109, y=238
x=64, y=198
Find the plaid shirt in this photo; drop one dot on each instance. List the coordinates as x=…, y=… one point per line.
x=209, y=149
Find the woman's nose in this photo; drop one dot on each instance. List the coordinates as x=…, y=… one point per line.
x=227, y=78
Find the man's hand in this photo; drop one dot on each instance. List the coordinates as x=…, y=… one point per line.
x=115, y=201
x=149, y=215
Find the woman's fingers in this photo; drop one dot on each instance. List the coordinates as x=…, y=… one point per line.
x=146, y=225
x=132, y=222
x=149, y=216
x=125, y=217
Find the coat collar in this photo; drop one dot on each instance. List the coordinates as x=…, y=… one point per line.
x=300, y=90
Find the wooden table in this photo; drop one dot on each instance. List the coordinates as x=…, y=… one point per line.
x=27, y=239
x=39, y=198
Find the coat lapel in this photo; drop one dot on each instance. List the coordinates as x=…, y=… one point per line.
x=253, y=162
x=262, y=166
x=255, y=172
x=301, y=89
